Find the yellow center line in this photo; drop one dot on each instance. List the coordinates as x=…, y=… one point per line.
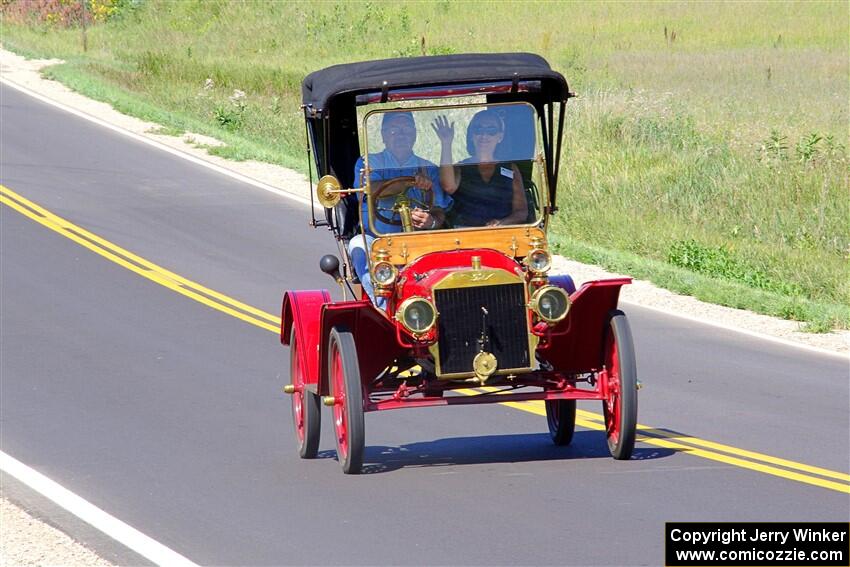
x=681, y=437
x=139, y=265
x=538, y=407
x=211, y=298
x=669, y=440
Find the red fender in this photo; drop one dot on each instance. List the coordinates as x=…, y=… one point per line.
x=374, y=335
x=575, y=345
x=303, y=309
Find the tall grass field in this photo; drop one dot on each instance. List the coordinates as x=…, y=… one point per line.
x=706, y=150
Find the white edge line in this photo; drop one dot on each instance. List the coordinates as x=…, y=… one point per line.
x=755, y=334
x=91, y=514
x=303, y=201
x=157, y=144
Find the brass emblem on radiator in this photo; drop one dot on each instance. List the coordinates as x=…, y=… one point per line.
x=480, y=276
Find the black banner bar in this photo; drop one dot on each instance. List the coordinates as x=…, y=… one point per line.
x=762, y=544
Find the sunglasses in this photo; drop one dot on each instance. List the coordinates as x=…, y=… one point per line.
x=486, y=130
x=396, y=130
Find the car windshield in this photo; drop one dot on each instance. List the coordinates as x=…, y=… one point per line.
x=451, y=168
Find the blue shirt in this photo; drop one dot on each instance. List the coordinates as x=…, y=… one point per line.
x=385, y=166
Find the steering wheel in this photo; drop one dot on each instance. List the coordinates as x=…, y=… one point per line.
x=398, y=187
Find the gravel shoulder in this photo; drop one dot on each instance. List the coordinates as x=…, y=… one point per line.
x=27, y=541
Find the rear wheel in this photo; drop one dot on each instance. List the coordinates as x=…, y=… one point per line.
x=306, y=411
x=620, y=409
x=561, y=417
x=347, y=390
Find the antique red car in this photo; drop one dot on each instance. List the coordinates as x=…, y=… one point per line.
x=438, y=181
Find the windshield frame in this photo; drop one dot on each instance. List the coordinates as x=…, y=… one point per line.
x=539, y=177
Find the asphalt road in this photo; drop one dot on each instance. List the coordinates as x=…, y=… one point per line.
x=170, y=416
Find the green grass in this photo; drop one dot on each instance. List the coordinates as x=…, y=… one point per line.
x=818, y=316
x=708, y=143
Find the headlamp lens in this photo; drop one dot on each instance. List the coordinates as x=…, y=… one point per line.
x=417, y=315
x=384, y=273
x=539, y=261
x=551, y=304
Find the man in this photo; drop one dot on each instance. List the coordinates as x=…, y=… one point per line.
x=398, y=131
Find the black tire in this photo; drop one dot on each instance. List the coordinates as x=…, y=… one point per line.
x=561, y=418
x=346, y=388
x=306, y=407
x=621, y=411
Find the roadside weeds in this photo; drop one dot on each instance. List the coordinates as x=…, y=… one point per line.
x=19, y=71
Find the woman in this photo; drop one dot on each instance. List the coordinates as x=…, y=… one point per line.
x=485, y=192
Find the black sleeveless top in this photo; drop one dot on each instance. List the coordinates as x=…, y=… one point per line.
x=477, y=201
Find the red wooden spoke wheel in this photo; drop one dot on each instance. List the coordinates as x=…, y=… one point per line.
x=561, y=417
x=306, y=411
x=620, y=409
x=347, y=390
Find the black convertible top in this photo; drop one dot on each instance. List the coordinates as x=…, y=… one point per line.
x=320, y=87
x=331, y=97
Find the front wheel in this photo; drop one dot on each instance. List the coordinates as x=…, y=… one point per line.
x=561, y=417
x=620, y=409
x=306, y=410
x=347, y=390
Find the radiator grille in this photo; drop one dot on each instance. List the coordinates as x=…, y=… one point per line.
x=462, y=319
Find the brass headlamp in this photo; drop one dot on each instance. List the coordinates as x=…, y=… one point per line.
x=538, y=261
x=550, y=303
x=417, y=315
x=384, y=274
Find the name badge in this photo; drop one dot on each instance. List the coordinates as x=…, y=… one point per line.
x=509, y=173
